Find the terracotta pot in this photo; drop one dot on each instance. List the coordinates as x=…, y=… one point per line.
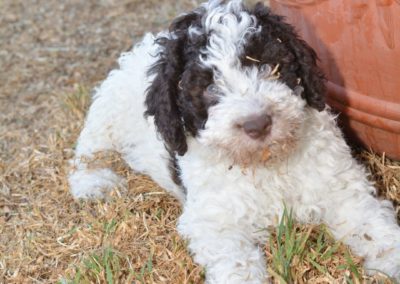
x=358, y=43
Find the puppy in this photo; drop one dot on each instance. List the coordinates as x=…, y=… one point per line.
x=226, y=111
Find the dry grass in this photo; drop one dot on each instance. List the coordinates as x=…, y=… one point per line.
x=386, y=174
x=51, y=55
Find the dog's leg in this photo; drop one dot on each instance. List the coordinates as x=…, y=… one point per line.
x=91, y=183
x=87, y=181
x=336, y=187
x=222, y=241
x=368, y=225
x=115, y=122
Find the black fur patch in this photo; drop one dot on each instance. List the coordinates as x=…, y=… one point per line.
x=175, y=172
x=278, y=43
x=175, y=98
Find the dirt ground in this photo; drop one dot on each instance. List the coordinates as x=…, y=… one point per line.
x=52, y=53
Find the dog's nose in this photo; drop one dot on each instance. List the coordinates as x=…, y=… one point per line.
x=258, y=127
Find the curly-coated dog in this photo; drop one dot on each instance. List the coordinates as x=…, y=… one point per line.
x=226, y=111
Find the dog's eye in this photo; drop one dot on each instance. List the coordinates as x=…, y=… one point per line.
x=212, y=89
x=265, y=70
x=211, y=95
x=298, y=91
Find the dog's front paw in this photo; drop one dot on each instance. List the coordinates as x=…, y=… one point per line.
x=250, y=271
x=387, y=262
x=239, y=277
x=93, y=184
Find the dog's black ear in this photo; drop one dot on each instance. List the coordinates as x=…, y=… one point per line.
x=305, y=58
x=312, y=78
x=163, y=94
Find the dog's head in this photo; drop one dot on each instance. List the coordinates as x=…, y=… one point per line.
x=236, y=79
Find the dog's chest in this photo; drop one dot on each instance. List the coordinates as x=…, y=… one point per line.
x=264, y=191
x=261, y=192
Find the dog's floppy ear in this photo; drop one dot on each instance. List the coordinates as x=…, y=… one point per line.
x=310, y=75
x=162, y=95
x=312, y=78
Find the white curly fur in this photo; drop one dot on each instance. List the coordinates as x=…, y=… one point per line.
x=231, y=193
